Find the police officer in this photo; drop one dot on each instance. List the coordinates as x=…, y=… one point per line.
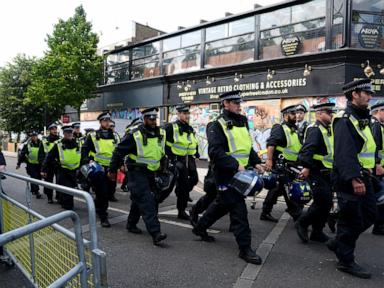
x=77, y=135
x=316, y=156
x=145, y=149
x=134, y=124
x=182, y=149
x=355, y=156
x=230, y=150
x=99, y=146
x=284, y=140
x=301, y=123
x=377, y=111
x=46, y=145
x=65, y=155
x=29, y=155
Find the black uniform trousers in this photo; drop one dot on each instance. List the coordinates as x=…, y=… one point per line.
x=187, y=178
x=317, y=213
x=49, y=178
x=102, y=185
x=232, y=202
x=211, y=192
x=380, y=216
x=33, y=170
x=66, y=178
x=294, y=209
x=356, y=214
x=140, y=184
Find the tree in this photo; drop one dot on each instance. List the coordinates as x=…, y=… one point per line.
x=69, y=72
x=16, y=114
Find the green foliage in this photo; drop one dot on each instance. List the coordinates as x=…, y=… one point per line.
x=70, y=70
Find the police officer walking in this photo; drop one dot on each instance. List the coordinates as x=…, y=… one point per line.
x=145, y=149
x=301, y=123
x=355, y=156
x=230, y=150
x=316, y=156
x=29, y=155
x=99, y=146
x=377, y=111
x=65, y=155
x=182, y=149
x=77, y=135
x=46, y=145
x=284, y=140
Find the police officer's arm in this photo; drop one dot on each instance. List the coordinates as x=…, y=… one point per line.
x=41, y=153
x=276, y=138
x=22, y=156
x=346, y=150
x=50, y=160
x=376, y=132
x=126, y=146
x=169, y=132
x=310, y=147
x=217, y=148
x=87, y=147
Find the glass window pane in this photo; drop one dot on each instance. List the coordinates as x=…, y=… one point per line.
x=367, y=30
x=368, y=5
x=146, y=50
x=275, y=19
x=338, y=24
x=191, y=38
x=182, y=60
x=171, y=43
x=242, y=26
x=216, y=32
x=146, y=70
x=307, y=11
x=234, y=50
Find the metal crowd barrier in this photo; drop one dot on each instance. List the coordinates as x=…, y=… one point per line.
x=46, y=255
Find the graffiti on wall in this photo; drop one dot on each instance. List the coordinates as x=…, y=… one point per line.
x=125, y=113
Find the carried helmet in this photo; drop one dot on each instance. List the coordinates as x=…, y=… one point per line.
x=300, y=192
x=270, y=180
x=92, y=170
x=379, y=192
x=247, y=182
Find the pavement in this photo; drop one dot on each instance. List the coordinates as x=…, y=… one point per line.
x=132, y=260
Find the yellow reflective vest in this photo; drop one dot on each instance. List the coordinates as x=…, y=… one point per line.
x=69, y=158
x=183, y=143
x=150, y=153
x=32, y=153
x=239, y=142
x=327, y=160
x=104, y=149
x=291, y=151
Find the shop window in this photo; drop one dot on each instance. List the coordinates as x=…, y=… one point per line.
x=182, y=60
x=368, y=5
x=145, y=62
x=293, y=30
x=367, y=29
x=116, y=67
x=238, y=27
x=235, y=50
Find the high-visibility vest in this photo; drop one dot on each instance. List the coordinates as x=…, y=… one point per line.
x=183, y=144
x=366, y=156
x=69, y=158
x=151, y=153
x=47, y=145
x=381, y=152
x=103, y=149
x=327, y=160
x=239, y=142
x=32, y=153
x=291, y=151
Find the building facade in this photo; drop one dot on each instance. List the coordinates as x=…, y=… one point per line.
x=294, y=52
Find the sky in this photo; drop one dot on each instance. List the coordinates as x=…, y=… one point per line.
x=26, y=23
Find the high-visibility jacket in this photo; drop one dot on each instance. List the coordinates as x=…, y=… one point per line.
x=69, y=158
x=183, y=143
x=327, y=135
x=291, y=151
x=151, y=152
x=239, y=141
x=32, y=153
x=104, y=149
x=367, y=155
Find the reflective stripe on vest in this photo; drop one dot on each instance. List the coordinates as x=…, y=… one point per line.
x=239, y=142
x=184, y=144
x=367, y=154
x=32, y=155
x=291, y=151
x=69, y=158
x=103, y=150
x=149, y=154
x=327, y=160
x=47, y=145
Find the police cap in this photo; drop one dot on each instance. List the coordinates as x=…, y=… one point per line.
x=151, y=113
x=182, y=108
x=104, y=116
x=359, y=85
x=76, y=125
x=232, y=96
x=67, y=128
x=377, y=106
x=324, y=106
x=301, y=107
x=52, y=125
x=289, y=109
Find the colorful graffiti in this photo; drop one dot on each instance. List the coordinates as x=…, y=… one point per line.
x=125, y=113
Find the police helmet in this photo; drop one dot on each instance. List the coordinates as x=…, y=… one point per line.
x=247, y=183
x=300, y=192
x=270, y=180
x=92, y=170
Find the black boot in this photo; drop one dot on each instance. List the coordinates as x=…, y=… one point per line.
x=250, y=256
x=332, y=244
x=157, y=238
x=354, y=269
x=193, y=216
x=378, y=229
x=268, y=217
x=105, y=222
x=134, y=229
x=319, y=236
x=203, y=234
x=302, y=231
x=183, y=215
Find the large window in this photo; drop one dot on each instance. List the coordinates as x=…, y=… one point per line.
x=116, y=67
x=230, y=43
x=145, y=61
x=338, y=23
x=293, y=30
x=368, y=24
x=182, y=53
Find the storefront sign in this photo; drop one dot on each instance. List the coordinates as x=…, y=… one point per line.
x=369, y=36
x=290, y=46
